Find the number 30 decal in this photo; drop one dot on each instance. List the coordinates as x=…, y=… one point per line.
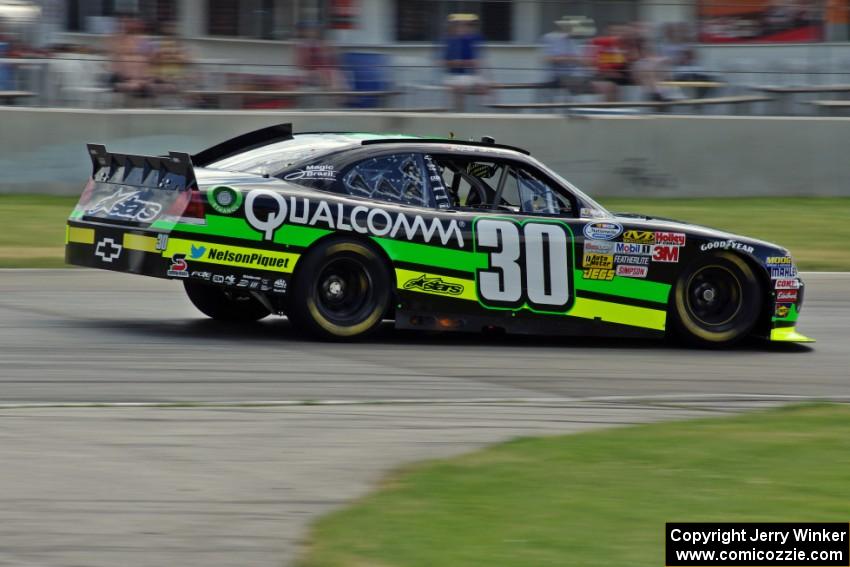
x=527, y=264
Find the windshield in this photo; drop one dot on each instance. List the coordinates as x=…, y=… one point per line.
x=274, y=158
x=589, y=208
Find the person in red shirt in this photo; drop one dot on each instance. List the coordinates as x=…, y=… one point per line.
x=612, y=56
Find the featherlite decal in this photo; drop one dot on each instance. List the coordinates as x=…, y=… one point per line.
x=266, y=211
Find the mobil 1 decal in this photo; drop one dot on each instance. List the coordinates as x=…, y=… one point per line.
x=529, y=264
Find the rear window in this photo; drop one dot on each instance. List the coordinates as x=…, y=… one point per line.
x=274, y=158
x=396, y=178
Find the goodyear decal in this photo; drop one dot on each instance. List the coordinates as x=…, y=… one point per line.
x=227, y=255
x=436, y=284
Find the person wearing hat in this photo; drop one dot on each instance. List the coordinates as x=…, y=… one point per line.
x=461, y=57
x=564, y=59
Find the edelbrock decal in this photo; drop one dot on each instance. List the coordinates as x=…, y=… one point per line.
x=602, y=230
x=362, y=219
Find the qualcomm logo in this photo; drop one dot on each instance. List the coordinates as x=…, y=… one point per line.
x=107, y=250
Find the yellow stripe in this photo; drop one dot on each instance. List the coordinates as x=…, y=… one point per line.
x=619, y=313
x=139, y=242
x=790, y=335
x=80, y=235
x=270, y=260
x=468, y=293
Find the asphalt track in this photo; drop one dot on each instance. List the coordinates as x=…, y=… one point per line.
x=135, y=432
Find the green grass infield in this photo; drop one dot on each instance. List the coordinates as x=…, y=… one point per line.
x=32, y=227
x=598, y=498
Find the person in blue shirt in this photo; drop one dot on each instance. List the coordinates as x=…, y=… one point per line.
x=462, y=59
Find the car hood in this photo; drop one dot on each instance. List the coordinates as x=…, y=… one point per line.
x=661, y=223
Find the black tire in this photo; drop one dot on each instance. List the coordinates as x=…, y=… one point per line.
x=224, y=305
x=717, y=301
x=341, y=291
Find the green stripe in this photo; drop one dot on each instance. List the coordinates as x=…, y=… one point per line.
x=625, y=287
x=297, y=235
x=413, y=252
x=216, y=225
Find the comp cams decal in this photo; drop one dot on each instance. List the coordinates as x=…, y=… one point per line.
x=266, y=211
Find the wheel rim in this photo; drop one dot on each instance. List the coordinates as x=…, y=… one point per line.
x=344, y=294
x=714, y=296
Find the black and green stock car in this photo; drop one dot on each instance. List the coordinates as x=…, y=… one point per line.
x=340, y=231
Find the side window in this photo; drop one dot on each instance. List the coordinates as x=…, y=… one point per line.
x=396, y=178
x=536, y=196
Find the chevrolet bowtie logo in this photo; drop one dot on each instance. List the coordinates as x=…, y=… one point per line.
x=107, y=250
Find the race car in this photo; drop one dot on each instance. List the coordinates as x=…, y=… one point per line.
x=341, y=231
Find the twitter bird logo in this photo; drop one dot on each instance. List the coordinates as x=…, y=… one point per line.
x=198, y=251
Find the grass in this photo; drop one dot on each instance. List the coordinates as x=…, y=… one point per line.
x=596, y=499
x=32, y=230
x=816, y=230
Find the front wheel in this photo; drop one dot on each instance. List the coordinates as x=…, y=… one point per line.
x=225, y=305
x=341, y=291
x=717, y=301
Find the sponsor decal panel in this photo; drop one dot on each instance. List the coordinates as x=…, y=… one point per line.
x=787, y=283
x=602, y=230
x=636, y=249
x=266, y=211
x=639, y=237
x=227, y=255
x=598, y=274
x=433, y=285
x=312, y=172
x=786, y=296
x=782, y=310
x=631, y=260
x=665, y=253
x=778, y=260
x=125, y=204
x=671, y=238
x=599, y=261
x=201, y=275
x=726, y=245
x=279, y=286
x=179, y=267
x=108, y=250
x=632, y=271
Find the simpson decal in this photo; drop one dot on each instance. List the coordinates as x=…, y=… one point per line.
x=632, y=271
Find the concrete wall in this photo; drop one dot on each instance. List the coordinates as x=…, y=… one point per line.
x=43, y=150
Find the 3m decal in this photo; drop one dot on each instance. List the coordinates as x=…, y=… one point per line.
x=637, y=249
x=632, y=271
x=534, y=274
x=670, y=238
x=108, y=250
x=433, y=285
x=266, y=211
x=631, y=260
x=224, y=200
x=598, y=261
x=125, y=204
x=179, y=267
x=726, y=245
x=665, y=253
x=598, y=274
x=602, y=230
x=639, y=237
x=598, y=247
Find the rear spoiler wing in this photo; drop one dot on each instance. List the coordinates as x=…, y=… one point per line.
x=243, y=143
x=174, y=171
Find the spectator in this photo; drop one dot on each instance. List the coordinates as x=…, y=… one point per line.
x=461, y=58
x=565, y=59
x=679, y=50
x=613, y=55
x=172, y=65
x=649, y=70
x=315, y=59
x=129, y=57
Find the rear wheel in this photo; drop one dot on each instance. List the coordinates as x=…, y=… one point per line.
x=342, y=290
x=225, y=305
x=717, y=301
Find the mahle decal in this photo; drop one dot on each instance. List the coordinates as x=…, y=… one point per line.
x=433, y=285
x=224, y=200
